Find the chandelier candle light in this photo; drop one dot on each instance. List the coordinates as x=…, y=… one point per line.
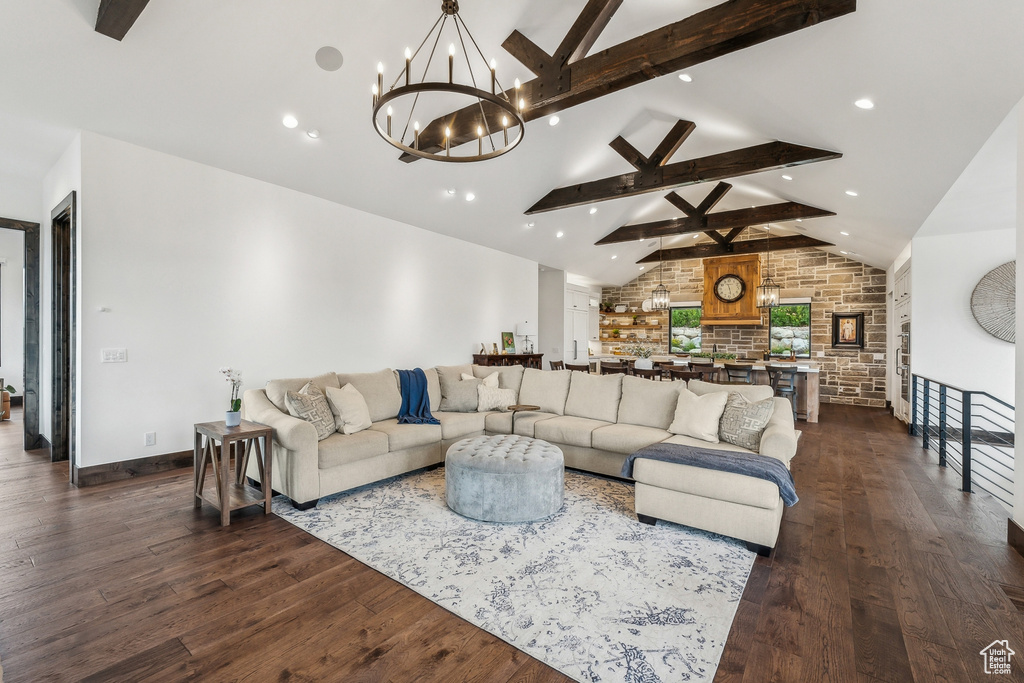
x=659, y=297
x=769, y=294
x=492, y=109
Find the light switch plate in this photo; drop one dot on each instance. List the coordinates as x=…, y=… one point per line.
x=114, y=355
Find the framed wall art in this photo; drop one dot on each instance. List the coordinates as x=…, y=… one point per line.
x=847, y=330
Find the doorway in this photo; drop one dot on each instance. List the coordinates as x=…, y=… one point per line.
x=33, y=317
x=62, y=311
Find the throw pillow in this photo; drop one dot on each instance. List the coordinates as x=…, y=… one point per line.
x=310, y=404
x=493, y=398
x=351, y=414
x=490, y=380
x=743, y=421
x=461, y=396
x=698, y=416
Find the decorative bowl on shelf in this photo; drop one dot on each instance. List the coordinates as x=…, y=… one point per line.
x=647, y=306
x=621, y=308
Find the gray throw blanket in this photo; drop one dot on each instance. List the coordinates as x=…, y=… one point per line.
x=749, y=464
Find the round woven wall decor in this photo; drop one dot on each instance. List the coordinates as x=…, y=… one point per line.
x=993, y=302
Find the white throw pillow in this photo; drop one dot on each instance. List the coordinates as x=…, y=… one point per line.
x=493, y=398
x=351, y=414
x=698, y=416
x=490, y=380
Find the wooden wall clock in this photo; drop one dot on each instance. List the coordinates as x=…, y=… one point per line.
x=730, y=289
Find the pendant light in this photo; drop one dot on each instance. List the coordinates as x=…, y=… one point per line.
x=769, y=294
x=659, y=297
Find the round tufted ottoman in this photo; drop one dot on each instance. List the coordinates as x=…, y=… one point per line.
x=505, y=478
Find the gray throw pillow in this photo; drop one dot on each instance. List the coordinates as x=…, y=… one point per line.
x=744, y=421
x=460, y=396
x=311, y=405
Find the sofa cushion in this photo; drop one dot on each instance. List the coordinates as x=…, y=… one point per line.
x=526, y=421
x=548, y=390
x=310, y=404
x=494, y=398
x=751, y=392
x=380, y=389
x=647, y=403
x=500, y=423
x=727, y=486
x=433, y=388
x=575, y=431
x=698, y=416
x=277, y=388
x=509, y=377
x=627, y=438
x=401, y=437
x=351, y=415
x=594, y=396
x=341, y=449
x=458, y=425
x=744, y=421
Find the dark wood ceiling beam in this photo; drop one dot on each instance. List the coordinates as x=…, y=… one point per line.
x=629, y=153
x=745, y=247
x=715, y=196
x=672, y=142
x=585, y=30
x=116, y=17
x=723, y=220
x=766, y=157
x=719, y=30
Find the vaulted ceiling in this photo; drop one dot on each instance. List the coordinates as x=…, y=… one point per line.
x=211, y=81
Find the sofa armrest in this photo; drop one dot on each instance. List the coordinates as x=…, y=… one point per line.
x=291, y=432
x=779, y=438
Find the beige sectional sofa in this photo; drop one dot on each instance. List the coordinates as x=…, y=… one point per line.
x=597, y=421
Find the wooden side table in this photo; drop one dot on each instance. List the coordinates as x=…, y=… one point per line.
x=520, y=407
x=240, y=441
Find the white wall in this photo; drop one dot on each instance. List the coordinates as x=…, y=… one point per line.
x=1018, y=501
x=19, y=198
x=202, y=268
x=551, y=313
x=945, y=334
x=12, y=308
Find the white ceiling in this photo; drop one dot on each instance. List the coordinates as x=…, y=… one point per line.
x=211, y=81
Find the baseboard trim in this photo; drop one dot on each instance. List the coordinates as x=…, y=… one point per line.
x=129, y=469
x=1015, y=536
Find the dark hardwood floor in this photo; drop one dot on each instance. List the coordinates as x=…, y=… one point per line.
x=884, y=572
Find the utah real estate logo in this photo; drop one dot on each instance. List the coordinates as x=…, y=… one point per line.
x=997, y=657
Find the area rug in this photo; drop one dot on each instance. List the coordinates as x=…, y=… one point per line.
x=590, y=591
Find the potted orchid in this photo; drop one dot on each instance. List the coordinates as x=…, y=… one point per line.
x=233, y=416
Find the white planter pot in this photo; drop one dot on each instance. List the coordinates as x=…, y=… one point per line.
x=232, y=418
x=644, y=364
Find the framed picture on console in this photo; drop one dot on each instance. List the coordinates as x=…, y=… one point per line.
x=847, y=330
x=508, y=342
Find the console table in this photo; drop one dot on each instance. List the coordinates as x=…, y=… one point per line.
x=530, y=360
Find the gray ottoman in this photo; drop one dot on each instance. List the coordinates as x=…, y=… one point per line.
x=504, y=478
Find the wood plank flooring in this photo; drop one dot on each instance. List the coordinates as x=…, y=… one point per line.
x=884, y=572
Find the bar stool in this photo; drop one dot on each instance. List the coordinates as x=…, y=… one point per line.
x=578, y=368
x=783, y=381
x=683, y=373
x=613, y=369
x=739, y=373
x=646, y=374
x=556, y=364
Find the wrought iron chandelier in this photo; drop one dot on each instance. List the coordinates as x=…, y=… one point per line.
x=659, y=297
x=498, y=124
x=769, y=294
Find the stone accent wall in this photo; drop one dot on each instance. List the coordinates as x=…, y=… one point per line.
x=836, y=284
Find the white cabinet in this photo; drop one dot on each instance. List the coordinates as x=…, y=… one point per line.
x=581, y=324
x=577, y=298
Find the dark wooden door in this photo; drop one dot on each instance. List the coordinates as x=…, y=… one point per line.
x=62, y=287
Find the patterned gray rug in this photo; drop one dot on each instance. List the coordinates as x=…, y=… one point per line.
x=590, y=591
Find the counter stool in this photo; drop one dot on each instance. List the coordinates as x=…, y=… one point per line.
x=783, y=381
x=577, y=368
x=646, y=374
x=683, y=373
x=556, y=364
x=613, y=368
x=739, y=373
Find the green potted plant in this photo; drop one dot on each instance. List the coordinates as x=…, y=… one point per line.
x=615, y=333
x=233, y=416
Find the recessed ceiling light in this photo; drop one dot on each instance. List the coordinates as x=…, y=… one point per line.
x=844, y=252
x=641, y=267
x=865, y=104
x=843, y=232
x=851, y=193
x=313, y=133
x=787, y=177
x=615, y=257
x=685, y=78
x=553, y=121
x=530, y=224
x=290, y=121
x=559, y=234
x=799, y=220
x=450, y=191
x=470, y=196
x=593, y=210
x=696, y=236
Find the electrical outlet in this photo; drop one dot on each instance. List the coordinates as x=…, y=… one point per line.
x=150, y=438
